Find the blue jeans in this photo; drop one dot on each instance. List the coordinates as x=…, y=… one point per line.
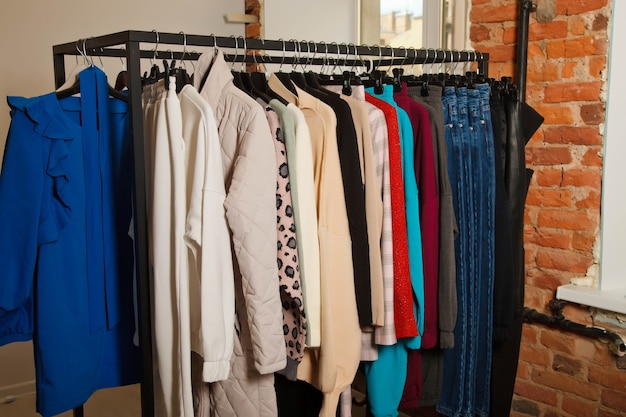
x=467, y=367
x=453, y=386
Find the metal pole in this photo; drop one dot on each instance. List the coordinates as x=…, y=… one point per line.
x=526, y=6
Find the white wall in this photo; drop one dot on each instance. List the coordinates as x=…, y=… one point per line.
x=320, y=20
x=29, y=29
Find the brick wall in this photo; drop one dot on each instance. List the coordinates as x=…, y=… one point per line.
x=559, y=374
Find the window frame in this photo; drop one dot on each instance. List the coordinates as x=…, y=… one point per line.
x=609, y=291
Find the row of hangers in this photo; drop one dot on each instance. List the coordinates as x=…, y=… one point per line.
x=255, y=83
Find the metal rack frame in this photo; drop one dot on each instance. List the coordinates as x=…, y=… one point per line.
x=128, y=45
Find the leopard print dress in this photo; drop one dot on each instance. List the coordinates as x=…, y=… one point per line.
x=294, y=319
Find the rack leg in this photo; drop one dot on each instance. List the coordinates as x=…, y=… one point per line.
x=79, y=411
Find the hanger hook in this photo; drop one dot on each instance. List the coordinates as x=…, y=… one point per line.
x=348, y=56
x=245, y=52
x=392, y=58
x=156, y=46
x=325, y=60
x=414, y=56
x=232, y=64
x=306, y=58
x=80, y=52
x=296, y=54
x=310, y=58
x=282, y=61
x=406, y=55
x=85, y=52
x=182, y=58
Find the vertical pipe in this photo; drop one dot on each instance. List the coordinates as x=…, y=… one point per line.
x=79, y=411
x=141, y=228
x=526, y=6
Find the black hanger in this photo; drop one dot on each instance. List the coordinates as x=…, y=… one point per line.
x=377, y=80
x=397, y=82
x=260, y=86
x=75, y=89
x=299, y=79
x=286, y=80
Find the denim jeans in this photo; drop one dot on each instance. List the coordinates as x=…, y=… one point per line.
x=467, y=367
x=453, y=386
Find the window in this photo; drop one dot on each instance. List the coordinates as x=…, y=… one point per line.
x=610, y=294
x=414, y=23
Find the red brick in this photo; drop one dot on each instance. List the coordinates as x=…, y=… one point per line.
x=555, y=114
x=581, y=315
x=549, y=177
x=614, y=399
x=535, y=52
x=577, y=26
x=547, y=281
x=493, y=14
x=566, y=383
x=552, y=239
x=583, y=241
x=565, y=365
x=563, y=261
x=523, y=371
x=586, y=177
x=572, y=7
x=509, y=36
x=596, y=353
x=253, y=30
x=500, y=53
x=551, y=412
x=530, y=334
x=573, y=135
x=592, y=200
x=568, y=220
x=610, y=378
x=592, y=158
x=579, y=407
x=479, y=33
x=568, y=69
x=542, y=197
x=597, y=64
x=603, y=412
x=565, y=92
x=535, y=354
x=600, y=23
x=549, y=30
x=547, y=72
x=551, y=155
x=536, y=393
x=593, y=114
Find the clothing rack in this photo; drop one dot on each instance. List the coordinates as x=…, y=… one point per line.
x=128, y=45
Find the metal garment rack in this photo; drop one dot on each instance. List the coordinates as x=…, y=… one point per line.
x=127, y=44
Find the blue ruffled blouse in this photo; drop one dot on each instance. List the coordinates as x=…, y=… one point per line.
x=66, y=260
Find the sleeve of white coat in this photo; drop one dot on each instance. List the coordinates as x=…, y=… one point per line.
x=251, y=212
x=208, y=231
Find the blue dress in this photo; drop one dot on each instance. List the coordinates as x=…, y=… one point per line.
x=66, y=260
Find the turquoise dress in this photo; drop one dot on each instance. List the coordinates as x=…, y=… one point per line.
x=387, y=375
x=66, y=260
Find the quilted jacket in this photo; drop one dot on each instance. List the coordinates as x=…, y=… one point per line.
x=249, y=165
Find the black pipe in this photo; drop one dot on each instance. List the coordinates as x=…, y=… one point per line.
x=560, y=322
x=526, y=6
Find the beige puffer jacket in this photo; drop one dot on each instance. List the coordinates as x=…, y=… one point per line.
x=248, y=159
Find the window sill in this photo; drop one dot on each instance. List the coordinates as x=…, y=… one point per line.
x=609, y=300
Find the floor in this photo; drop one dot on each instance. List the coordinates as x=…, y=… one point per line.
x=118, y=402
x=124, y=402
